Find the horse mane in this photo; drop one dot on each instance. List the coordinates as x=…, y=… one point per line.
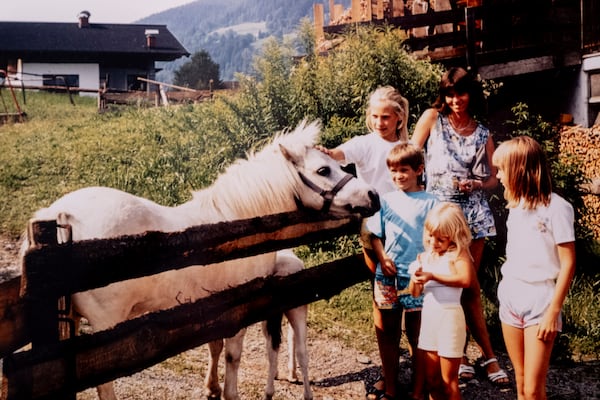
x=263, y=183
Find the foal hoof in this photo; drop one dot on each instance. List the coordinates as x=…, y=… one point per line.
x=213, y=397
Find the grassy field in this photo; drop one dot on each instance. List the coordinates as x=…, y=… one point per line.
x=163, y=154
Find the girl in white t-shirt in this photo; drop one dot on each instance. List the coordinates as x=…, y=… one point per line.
x=540, y=262
x=441, y=273
x=386, y=117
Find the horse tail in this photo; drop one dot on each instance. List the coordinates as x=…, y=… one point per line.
x=274, y=330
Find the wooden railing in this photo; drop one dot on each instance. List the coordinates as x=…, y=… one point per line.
x=493, y=33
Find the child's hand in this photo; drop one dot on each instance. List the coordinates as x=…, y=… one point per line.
x=388, y=267
x=548, y=327
x=323, y=149
x=421, y=277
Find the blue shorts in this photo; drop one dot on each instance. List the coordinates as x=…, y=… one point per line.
x=391, y=293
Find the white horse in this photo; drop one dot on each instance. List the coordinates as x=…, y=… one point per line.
x=287, y=174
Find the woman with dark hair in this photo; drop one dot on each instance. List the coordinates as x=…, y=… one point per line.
x=456, y=146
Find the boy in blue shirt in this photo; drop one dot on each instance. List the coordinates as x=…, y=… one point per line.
x=397, y=239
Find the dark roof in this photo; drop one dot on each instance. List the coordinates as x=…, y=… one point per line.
x=98, y=39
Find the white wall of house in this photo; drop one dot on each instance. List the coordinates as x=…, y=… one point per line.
x=89, y=74
x=585, y=105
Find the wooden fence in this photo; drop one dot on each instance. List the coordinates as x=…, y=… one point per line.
x=57, y=367
x=499, y=32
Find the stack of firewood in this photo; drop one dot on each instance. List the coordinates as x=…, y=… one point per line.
x=583, y=145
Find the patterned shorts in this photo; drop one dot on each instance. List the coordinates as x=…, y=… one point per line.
x=391, y=293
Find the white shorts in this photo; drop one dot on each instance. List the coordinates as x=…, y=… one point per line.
x=443, y=329
x=523, y=304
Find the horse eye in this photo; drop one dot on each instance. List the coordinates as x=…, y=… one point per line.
x=324, y=171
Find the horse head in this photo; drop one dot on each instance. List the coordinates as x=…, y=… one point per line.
x=324, y=185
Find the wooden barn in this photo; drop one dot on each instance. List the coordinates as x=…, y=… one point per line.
x=545, y=51
x=85, y=55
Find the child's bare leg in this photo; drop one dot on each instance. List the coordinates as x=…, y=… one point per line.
x=412, y=321
x=387, y=330
x=536, y=362
x=433, y=379
x=514, y=339
x=449, y=372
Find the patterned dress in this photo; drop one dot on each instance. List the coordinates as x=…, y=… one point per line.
x=449, y=157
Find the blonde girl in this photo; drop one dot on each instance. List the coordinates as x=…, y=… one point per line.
x=540, y=262
x=386, y=118
x=441, y=273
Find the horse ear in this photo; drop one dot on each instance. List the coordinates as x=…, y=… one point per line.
x=290, y=155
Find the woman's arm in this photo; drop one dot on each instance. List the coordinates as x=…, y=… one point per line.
x=423, y=127
x=491, y=182
x=549, y=324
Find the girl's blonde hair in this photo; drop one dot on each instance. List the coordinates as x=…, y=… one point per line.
x=527, y=177
x=447, y=220
x=391, y=96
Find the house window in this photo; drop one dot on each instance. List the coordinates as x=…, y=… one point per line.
x=70, y=81
x=133, y=83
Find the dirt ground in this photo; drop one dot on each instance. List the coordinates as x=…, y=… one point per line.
x=337, y=371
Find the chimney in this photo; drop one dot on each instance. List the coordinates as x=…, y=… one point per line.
x=84, y=19
x=151, y=35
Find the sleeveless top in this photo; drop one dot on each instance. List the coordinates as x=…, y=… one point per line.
x=448, y=159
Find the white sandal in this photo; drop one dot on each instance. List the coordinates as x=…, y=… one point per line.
x=466, y=369
x=495, y=377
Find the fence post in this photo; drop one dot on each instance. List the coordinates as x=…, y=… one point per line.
x=49, y=316
x=470, y=36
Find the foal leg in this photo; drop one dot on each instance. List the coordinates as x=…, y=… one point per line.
x=292, y=372
x=297, y=320
x=233, y=355
x=212, y=389
x=272, y=358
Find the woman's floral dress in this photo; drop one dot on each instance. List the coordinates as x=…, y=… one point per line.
x=449, y=157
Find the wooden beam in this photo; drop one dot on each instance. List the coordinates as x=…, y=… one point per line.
x=54, y=271
x=137, y=344
x=13, y=328
x=187, y=89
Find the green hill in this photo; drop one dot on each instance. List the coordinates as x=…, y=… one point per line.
x=228, y=31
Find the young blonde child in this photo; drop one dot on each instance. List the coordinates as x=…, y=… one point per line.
x=396, y=239
x=540, y=262
x=440, y=273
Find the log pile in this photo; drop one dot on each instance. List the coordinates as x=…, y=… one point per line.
x=583, y=145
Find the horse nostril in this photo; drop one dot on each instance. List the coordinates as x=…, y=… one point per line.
x=375, y=203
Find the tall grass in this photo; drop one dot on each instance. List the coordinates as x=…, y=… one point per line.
x=161, y=154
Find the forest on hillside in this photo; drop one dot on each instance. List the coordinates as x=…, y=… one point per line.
x=232, y=31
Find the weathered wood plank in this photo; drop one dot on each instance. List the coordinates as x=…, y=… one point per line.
x=54, y=271
x=137, y=344
x=13, y=329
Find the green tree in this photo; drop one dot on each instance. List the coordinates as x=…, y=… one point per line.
x=199, y=73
